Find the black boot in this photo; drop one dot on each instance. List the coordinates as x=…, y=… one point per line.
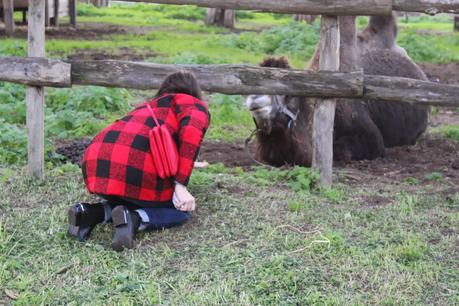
x=126, y=224
x=83, y=217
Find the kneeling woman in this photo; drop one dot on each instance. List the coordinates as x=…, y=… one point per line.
x=118, y=166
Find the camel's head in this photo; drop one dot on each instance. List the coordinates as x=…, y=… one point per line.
x=273, y=112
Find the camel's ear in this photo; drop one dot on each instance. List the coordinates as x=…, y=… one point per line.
x=275, y=62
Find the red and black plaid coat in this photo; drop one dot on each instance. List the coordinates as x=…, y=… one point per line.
x=119, y=162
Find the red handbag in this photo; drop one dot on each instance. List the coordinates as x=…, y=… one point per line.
x=163, y=149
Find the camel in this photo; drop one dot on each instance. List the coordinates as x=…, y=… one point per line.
x=362, y=128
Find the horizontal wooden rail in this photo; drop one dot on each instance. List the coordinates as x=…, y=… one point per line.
x=314, y=7
x=430, y=7
x=410, y=91
x=321, y=7
x=227, y=79
x=35, y=71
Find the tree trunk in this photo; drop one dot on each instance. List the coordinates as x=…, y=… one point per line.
x=456, y=23
x=8, y=16
x=221, y=17
x=101, y=3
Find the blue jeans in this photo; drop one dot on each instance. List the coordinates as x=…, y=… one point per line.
x=160, y=216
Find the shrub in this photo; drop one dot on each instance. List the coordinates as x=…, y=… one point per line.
x=12, y=103
x=13, y=144
x=451, y=132
x=293, y=38
x=13, y=49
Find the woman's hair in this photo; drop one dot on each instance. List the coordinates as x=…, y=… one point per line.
x=181, y=82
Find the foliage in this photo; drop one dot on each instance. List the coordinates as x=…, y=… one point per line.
x=230, y=119
x=13, y=144
x=430, y=47
x=245, y=15
x=434, y=176
x=13, y=48
x=294, y=38
x=69, y=113
x=450, y=131
x=299, y=179
x=192, y=58
x=12, y=103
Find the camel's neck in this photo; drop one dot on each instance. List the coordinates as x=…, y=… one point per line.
x=348, y=44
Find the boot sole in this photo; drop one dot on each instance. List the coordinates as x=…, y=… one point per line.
x=123, y=237
x=75, y=223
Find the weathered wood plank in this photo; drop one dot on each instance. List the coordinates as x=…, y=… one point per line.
x=35, y=71
x=394, y=89
x=8, y=16
x=313, y=7
x=228, y=79
x=430, y=7
x=35, y=96
x=324, y=114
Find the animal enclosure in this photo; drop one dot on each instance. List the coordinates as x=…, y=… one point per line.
x=239, y=79
x=391, y=222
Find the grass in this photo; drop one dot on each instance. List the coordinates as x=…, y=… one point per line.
x=298, y=248
x=450, y=131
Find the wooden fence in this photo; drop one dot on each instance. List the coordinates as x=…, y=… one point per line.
x=36, y=71
x=54, y=9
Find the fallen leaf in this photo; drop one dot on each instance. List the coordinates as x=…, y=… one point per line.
x=11, y=294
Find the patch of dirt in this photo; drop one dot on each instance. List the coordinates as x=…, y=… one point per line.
x=431, y=160
x=445, y=116
x=72, y=151
x=442, y=73
x=230, y=154
x=120, y=54
x=83, y=31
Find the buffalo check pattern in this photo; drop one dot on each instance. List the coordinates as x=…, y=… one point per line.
x=119, y=162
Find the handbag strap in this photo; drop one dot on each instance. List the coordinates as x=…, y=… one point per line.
x=152, y=114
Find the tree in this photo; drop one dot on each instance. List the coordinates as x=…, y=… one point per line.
x=456, y=23
x=100, y=3
x=308, y=18
x=221, y=17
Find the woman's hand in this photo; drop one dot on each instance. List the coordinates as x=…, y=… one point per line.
x=182, y=199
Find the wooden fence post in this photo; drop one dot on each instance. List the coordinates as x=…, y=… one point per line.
x=56, y=13
x=324, y=115
x=72, y=12
x=8, y=16
x=36, y=95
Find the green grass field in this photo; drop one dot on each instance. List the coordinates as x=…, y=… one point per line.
x=259, y=237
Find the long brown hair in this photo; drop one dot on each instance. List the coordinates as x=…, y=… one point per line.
x=181, y=82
